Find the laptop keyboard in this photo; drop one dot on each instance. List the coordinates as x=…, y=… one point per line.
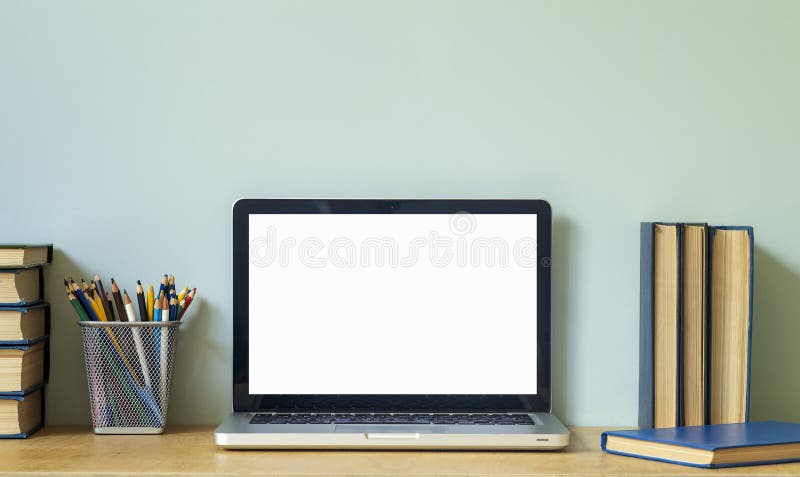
x=344, y=418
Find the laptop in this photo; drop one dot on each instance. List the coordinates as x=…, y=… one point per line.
x=391, y=324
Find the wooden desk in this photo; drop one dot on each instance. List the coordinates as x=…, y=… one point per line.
x=64, y=450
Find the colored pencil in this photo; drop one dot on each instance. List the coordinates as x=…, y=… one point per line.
x=118, y=301
x=71, y=292
x=157, y=336
x=163, y=287
x=126, y=300
x=110, y=305
x=189, y=299
x=157, y=310
x=151, y=296
x=173, y=308
x=140, y=299
x=164, y=308
x=164, y=349
x=98, y=305
x=76, y=304
x=104, y=298
x=137, y=338
x=98, y=309
x=85, y=302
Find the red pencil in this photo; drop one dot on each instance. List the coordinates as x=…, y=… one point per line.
x=189, y=298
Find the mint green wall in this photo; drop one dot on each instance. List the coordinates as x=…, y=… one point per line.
x=127, y=130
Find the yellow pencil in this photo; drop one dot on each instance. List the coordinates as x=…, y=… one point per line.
x=150, y=299
x=97, y=305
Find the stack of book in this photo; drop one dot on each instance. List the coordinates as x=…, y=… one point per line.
x=24, y=330
x=696, y=318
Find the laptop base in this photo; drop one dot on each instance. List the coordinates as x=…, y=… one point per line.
x=236, y=432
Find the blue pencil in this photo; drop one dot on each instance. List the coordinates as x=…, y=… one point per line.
x=84, y=301
x=163, y=288
x=156, y=365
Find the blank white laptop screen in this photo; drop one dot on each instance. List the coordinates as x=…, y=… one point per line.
x=392, y=304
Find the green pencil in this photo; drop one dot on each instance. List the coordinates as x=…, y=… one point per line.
x=78, y=308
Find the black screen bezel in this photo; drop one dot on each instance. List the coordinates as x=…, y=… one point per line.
x=243, y=401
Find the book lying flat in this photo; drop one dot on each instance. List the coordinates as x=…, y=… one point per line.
x=21, y=287
x=21, y=256
x=712, y=446
x=24, y=324
x=22, y=367
x=21, y=415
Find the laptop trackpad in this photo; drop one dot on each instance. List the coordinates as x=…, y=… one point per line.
x=389, y=428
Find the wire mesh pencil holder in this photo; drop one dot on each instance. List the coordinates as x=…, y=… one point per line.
x=129, y=371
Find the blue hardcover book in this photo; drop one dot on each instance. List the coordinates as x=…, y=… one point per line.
x=730, y=315
x=24, y=325
x=656, y=235
x=711, y=446
x=21, y=286
x=22, y=414
x=646, y=326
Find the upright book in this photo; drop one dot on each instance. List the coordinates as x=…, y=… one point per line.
x=731, y=317
x=22, y=286
x=708, y=303
x=659, y=343
x=694, y=329
x=711, y=446
x=24, y=256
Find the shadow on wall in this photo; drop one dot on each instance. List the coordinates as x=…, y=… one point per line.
x=775, y=365
x=67, y=392
x=196, y=373
x=560, y=314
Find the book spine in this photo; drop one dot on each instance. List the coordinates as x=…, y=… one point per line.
x=646, y=385
x=709, y=240
x=679, y=328
x=750, y=324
